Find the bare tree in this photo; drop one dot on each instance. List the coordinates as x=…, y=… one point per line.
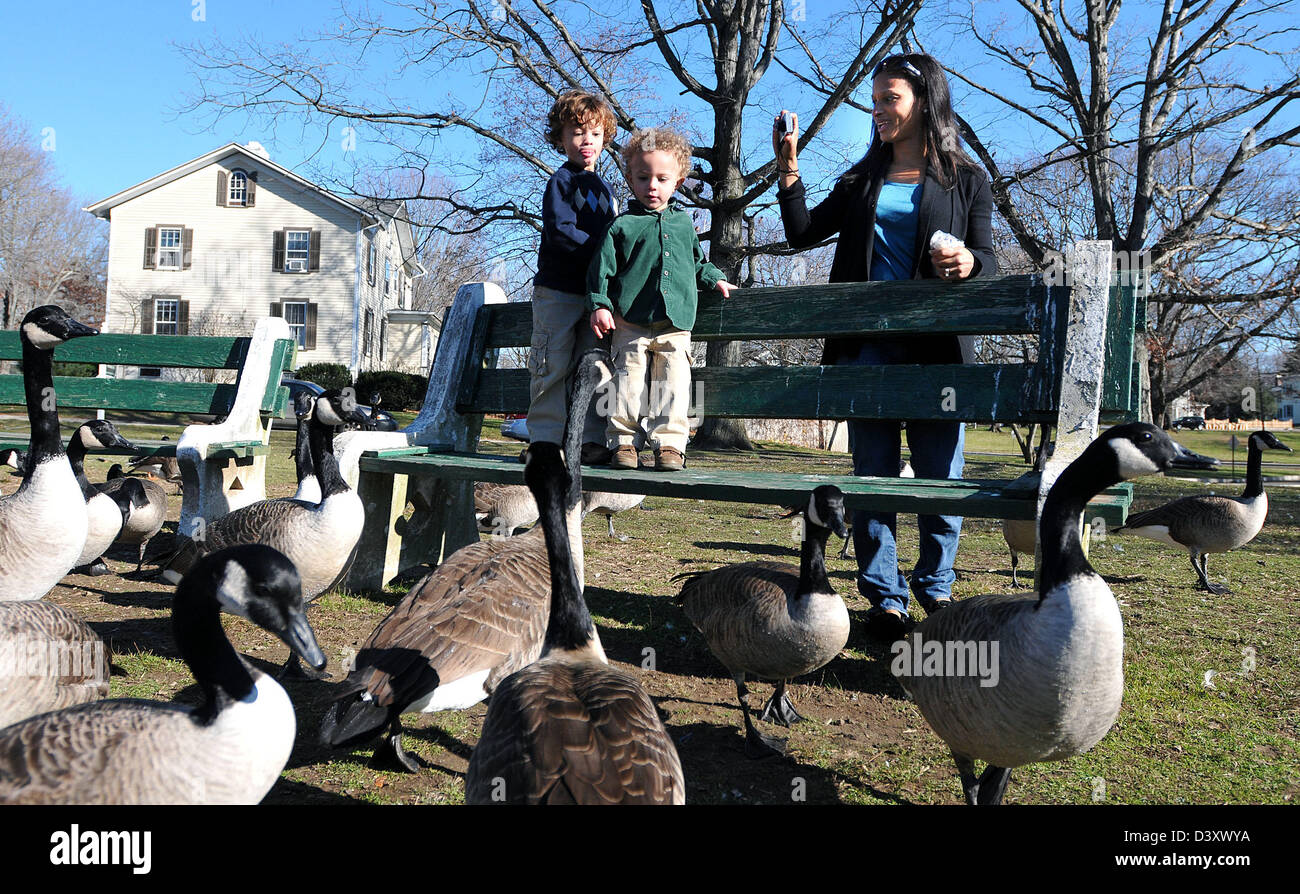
x=1173, y=150
x=46, y=240
x=526, y=53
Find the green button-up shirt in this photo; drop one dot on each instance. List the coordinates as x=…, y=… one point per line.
x=650, y=267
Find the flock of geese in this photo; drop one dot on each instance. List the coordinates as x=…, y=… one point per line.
x=505, y=619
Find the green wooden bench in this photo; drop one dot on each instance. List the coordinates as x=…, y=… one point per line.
x=223, y=465
x=1084, y=372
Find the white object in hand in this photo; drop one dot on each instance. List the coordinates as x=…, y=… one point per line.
x=940, y=239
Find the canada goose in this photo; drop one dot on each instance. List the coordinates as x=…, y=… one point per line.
x=1205, y=524
x=568, y=728
x=318, y=538
x=49, y=659
x=145, y=502
x=308, y=483
x=229, y=750
x=501, y=509
x=1052, y=689
x=16, y=460
x=771, y=619
x=904, y=471
x=609, y=505
x=463, y=628
x=162, y=468
x=40, y=539
x=1021, y=536
x=103, y=514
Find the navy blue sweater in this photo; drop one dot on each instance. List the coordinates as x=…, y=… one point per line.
x=576, y=211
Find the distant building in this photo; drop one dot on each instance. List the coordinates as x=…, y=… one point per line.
x=1185, y=404
x=212, y=245
x=1288, y=397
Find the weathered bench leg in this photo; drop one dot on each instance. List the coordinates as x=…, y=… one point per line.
x=442, y=518
x=214, y=488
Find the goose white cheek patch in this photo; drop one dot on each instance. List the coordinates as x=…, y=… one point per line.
x=232, y=592
x=1132, y=461
x=40, y=338
x=812, y=513
x=325, y=413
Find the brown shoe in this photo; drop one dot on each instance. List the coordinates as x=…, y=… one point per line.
x=624, y=457
x=594, y=454
x=669, y=459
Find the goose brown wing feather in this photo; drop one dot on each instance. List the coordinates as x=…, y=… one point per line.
x=715, y=599
x=86, y=677
x=585, y=734
x=1184, y=515
x=484, y=608
x=257, y=523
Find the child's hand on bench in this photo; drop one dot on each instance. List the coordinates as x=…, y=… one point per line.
x=725, y=288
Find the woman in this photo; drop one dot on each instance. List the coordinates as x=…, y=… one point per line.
x=913, y=182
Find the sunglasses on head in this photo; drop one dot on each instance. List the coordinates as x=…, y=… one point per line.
x=899, y=62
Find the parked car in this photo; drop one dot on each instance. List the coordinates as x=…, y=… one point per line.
x=516, y=427
x=379, y=420
x=1191, y=423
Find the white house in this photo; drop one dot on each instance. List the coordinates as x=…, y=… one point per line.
x=210, y=246
x=1288, y=396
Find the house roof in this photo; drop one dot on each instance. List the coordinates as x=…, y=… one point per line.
x=104, y=206
x=392, y=212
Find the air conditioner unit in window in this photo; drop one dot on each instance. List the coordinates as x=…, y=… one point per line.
x=297, y=265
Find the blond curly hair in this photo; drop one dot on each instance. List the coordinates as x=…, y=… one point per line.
x=659, y=139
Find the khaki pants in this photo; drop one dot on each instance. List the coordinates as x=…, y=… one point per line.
x=653, y=379
x=561, y=333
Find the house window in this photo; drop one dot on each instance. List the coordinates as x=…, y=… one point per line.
x=366, y=331
x=387, y=275
x=297, y=250
x=295, y=314
x=169, y=248
x=238, y=194
x=166, y=316
x=372, y=260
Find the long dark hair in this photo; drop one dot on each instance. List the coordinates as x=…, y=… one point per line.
x=942, y=144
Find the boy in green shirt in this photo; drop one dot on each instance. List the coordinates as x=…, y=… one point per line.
x=643, y=288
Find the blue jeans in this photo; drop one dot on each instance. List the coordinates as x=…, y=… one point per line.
x=936, y=453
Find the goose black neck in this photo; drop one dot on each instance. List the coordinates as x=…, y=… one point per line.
x=322, y=456
x=1061, y=544
x=1254, y=471
x=586, y=380
x=570, y=625
x=302, y=460
x=812, y=560
x=38, y=383
x=77, y=459
x=217, y=667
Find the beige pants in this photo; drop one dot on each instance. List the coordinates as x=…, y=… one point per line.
x=652, y=379
x=561, y=334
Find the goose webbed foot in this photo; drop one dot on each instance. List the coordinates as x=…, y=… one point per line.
x=97, y=568
x=757, y=745
x=391, y=756
x=1015, y=567
x=992, y=785
x=294, y=670
x=779, y=708
x=970, y=783
x=1203, y=572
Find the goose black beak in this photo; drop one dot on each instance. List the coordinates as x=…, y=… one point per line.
x=74, y=329
x=841, y=529
x=1186, y=459
x=300, y=638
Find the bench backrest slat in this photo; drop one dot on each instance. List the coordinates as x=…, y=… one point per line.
x=130, y=394
x=186, y=351
x=1001, y=305
x=973, y=393
x=1117, y=395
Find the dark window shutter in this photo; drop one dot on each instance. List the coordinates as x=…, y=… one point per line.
x=276, y=310
x=277, y=251
x=150, y=246
x=187, y=246
x=310, y=335
x=252, y=189
x=314, y=255
x=183, y=316
x=370, y=261
x=146, y=316
x=223, y=191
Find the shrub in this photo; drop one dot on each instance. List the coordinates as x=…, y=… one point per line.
x=326, y=375
x=400, y=391
x=80, y=370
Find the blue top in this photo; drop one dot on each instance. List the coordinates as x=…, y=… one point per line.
x=577, y=209
x=898, y=213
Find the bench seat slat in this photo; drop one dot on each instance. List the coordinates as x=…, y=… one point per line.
x=218, y=451
x=1001, y=305
x=977, y=498
x=129, y=394
x=980, y=393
